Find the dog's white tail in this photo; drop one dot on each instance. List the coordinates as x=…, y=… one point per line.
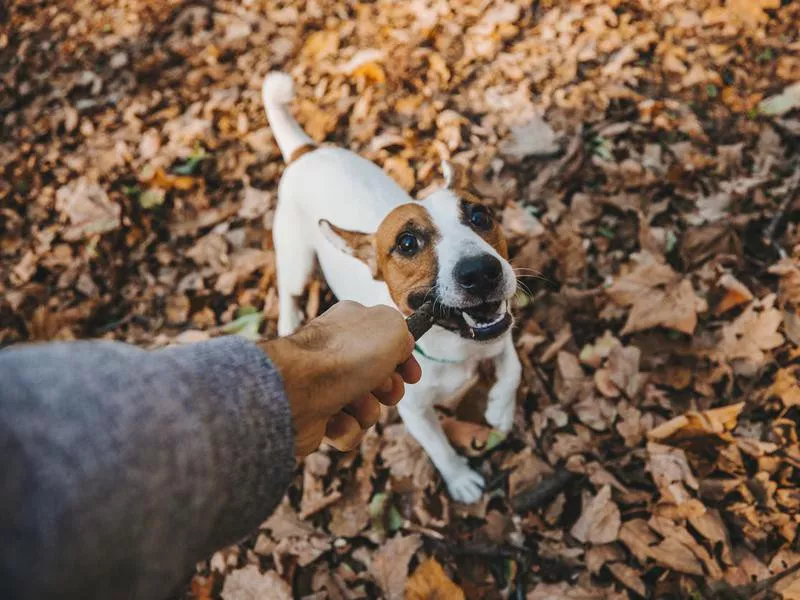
x=278, y=92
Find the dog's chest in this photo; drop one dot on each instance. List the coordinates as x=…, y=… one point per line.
x=449, y=362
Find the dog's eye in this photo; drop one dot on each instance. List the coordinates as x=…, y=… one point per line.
x=480, y=218
x=407, y=243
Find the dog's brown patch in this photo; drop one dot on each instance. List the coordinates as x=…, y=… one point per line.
x=493, y=236
x=460, y=185
x=302, y=151
x=404, y=275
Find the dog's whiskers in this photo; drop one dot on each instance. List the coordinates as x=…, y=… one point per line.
x=532, y=273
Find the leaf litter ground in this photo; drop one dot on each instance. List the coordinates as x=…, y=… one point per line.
x=643, y=159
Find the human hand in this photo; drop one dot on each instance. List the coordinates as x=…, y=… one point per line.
x=339, y=368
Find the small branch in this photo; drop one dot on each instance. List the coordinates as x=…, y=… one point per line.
x=544, y=492
x=751, y=590
x=769, y=232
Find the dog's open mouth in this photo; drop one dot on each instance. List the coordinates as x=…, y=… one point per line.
x=481, y=322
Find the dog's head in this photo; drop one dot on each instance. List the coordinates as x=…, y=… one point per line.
x=448, y=248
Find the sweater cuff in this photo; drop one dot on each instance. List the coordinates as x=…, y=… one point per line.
x=255, y=429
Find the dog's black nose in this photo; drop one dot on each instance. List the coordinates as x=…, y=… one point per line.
x=478, y=274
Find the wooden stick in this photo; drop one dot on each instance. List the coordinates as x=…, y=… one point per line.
x=544, y=492
x=421, y=321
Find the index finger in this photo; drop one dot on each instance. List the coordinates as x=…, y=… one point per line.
x=410, y=370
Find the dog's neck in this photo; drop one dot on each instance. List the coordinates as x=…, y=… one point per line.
x=445, y=346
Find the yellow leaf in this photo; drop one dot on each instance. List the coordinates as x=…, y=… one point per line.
x=716, y=422
x=430, y=582
x=751, y=12
x=370, y=72
x=321, y=43
x=787, y=387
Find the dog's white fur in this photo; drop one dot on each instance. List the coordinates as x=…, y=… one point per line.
x=352, y=193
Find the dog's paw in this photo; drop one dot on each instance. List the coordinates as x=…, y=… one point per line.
x=465, y=485
x=500, y=413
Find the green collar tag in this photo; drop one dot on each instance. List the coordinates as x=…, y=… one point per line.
x=444, y=361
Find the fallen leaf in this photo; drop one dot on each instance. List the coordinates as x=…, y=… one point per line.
x=88, y=209
x=151, y=198
x=247, y=325
x=534, y=138
x=745, y=341
x=599, y=522
x=628, y=576
x=787, y=100
x=248, y=583
x=715, y=422
x=786, y=386
x=430, y=582
x=594, y=354
x=735, y=293
x=390, y=564
x=657, y=297
x=671, y=472
x=255, y=203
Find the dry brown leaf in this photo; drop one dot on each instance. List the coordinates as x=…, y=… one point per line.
x=623, y=370
x=255, y=203
x=571, y=381
x=787, y=386
x=390, y=564
x=87, y=208
x=716, y=422
x=750, y=12
x=644, y=543
x=735, y=294
x=745, y=341
x=430, y=582
x=629, y=577
x=519, y=223
x=658, y=297
x=594, y=354
x=316, y=494
x=670, y=471
x=248, y=583
x=599, y=522
x=534, y=138
x=405, y=458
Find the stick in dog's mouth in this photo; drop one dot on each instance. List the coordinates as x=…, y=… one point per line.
x=482, y=322
x=421, y=321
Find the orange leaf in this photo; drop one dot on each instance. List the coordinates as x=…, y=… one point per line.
x=430, y=582
x=370, y=72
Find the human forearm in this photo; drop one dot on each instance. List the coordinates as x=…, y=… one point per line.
x=124, y=467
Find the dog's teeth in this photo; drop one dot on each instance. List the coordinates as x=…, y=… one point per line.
x=470, y=321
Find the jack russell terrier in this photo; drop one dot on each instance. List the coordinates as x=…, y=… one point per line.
x=377, y=245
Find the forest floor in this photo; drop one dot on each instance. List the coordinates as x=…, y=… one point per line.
x=643, y=157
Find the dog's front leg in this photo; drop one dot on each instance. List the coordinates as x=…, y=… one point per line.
x=503, y=395
x=419, y=416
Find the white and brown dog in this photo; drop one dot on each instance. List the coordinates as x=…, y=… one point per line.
x=376, y=245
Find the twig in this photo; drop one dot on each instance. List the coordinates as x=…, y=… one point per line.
x=544, y=492
x=750, y=590
x=769, y=232
x=545, y=384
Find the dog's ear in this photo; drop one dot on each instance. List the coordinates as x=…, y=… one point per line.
x=455, y=176
x=355, y=243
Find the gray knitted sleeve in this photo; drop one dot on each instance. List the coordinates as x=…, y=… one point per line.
x=121, y=468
